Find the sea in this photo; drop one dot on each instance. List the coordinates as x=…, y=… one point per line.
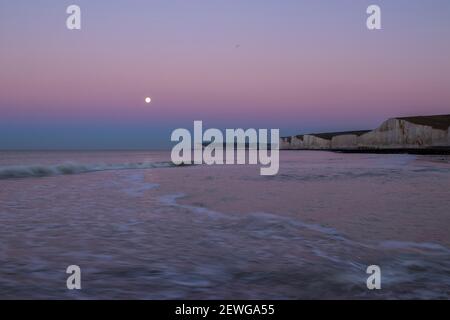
x=140, y=227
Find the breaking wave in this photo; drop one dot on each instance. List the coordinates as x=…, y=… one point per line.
x=28, y=171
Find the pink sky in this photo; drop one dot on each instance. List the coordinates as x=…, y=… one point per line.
x=297, y=66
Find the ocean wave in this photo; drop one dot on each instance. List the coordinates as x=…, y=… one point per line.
x=28, y=171
x=171, y=200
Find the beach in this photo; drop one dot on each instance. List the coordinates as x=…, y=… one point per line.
x=142, y=228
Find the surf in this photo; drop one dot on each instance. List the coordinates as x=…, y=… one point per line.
x=38, y=170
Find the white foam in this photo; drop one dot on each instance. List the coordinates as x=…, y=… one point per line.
x=171, y=200
x=26, y=171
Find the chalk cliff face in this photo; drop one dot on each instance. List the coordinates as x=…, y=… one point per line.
x=315, y=142
x=396, y=133
x=306, y=141
x=295, y=142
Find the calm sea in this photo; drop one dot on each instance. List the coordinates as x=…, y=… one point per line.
x=140, y=227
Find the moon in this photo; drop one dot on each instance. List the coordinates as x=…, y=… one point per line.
x=148, y=100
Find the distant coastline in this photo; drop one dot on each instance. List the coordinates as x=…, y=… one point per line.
x=418, y=135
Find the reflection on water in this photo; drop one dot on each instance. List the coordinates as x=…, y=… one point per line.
x=206, y=232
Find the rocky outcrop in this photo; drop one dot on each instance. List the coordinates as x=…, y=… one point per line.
x=396, y=133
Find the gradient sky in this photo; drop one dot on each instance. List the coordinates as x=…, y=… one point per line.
x=301, y=66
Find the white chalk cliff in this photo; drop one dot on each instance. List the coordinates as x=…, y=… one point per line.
x=397, y=133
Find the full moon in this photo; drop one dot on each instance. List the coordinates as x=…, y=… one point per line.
x=148, y=100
